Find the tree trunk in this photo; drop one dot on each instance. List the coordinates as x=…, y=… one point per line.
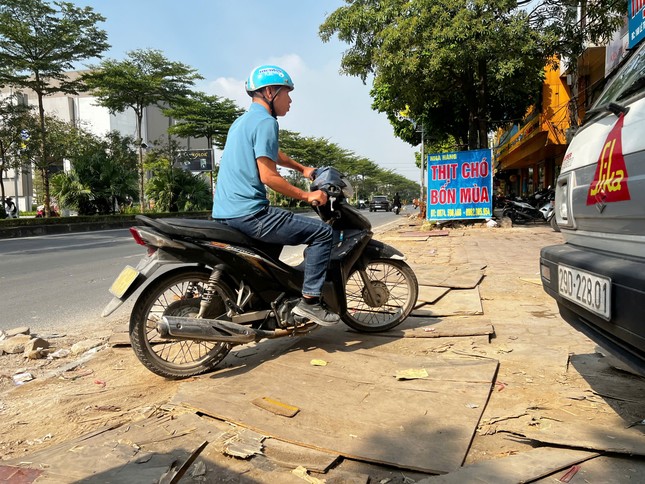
x=471, y=99
x=482, y=101
x=141, y=170
x=44, y=171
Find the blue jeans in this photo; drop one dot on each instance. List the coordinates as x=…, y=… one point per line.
x=276, y=226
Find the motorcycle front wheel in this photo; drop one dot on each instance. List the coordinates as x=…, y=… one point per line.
x=394, y=293
x=177, y=293
x=514, y=216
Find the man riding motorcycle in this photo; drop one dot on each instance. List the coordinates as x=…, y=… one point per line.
x=249, y=162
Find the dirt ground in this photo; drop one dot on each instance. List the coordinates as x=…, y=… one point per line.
x=75, y=395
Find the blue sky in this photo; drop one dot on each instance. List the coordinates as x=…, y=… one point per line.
x=224, y=39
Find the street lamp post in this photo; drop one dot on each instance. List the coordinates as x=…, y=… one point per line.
x=423, y=178
x=401, y=117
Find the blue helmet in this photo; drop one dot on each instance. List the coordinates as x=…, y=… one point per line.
x=266, y=75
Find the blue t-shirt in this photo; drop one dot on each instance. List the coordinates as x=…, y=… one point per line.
x=239, y=190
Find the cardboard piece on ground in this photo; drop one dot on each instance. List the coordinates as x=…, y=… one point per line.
x=604, y=469
x=532, y=280
x=292, y=456
x=430, y=294
x=275, y=406
x=138, y=452
x=454, y=326
x=418, y=238
x=454, y=303
x=466, y=277
x=602, y=418
x=450, y=327
x=524, y=467
x=119, y=339
x=425, y=424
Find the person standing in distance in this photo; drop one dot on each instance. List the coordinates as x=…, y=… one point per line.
x=249, y=164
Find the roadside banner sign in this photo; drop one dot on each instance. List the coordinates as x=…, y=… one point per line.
x=195, y=160
x=460, y=185
x=636, y=21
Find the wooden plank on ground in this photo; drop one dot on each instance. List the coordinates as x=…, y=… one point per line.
x=455, y=303
x=524, y=467
x=430, y=294
x=391, y=238
x=138, y=452
x=605, y=417
x=612, y=469
x=119, y=339
x=355, y=407
x=456, y=277
x=454, y=326
x=290, y=455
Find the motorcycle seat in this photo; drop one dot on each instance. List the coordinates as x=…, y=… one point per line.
x=198, y=229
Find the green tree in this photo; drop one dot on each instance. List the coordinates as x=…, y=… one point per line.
x=172, y=188
x=103, y=177
x=365, y=175
x=202, y=116
x=39, y=42
x=577, y=23
x=145, y=78
x=15, y=125
x=460, y=67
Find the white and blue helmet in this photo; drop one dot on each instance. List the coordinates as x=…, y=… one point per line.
x=268, y=75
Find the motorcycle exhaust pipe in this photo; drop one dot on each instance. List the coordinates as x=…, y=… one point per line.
x=205, y=329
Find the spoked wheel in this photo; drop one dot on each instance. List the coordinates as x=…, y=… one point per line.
x=178, y=293
x=393, y=294
x=514, y=216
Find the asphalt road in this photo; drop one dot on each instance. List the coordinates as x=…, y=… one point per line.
x=57, y=281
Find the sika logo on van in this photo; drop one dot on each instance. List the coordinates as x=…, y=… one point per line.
x=610, y=180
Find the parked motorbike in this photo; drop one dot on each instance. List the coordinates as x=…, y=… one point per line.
x=40, y=211
x=521, y=212
x=228, y=289
x=10, y=207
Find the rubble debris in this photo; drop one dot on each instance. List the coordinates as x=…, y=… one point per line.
x=275, y=406
x=15, y=344
x=411, y=374
x=303, y=474
x=36, y=348
x=21, y=378
x=85, y=345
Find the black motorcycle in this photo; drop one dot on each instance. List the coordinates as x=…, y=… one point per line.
x=228, y=289
x=523, y=211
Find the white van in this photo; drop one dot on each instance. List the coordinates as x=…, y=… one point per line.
x=598, y=276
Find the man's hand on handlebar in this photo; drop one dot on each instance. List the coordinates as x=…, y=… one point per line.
x=317, y=198
x=308, y=172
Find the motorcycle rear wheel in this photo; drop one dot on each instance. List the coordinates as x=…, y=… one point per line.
x=177, y=293
x=396, y=288
x=514, y=216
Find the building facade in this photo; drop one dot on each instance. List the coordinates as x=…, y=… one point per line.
x=82, y=110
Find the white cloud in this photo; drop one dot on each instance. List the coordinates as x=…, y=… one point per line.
x=329, y=105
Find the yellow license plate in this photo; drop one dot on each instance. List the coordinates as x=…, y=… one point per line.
x=124, y=281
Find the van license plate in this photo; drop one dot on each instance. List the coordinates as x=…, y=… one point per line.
x=124, y=281
x=588, y=290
